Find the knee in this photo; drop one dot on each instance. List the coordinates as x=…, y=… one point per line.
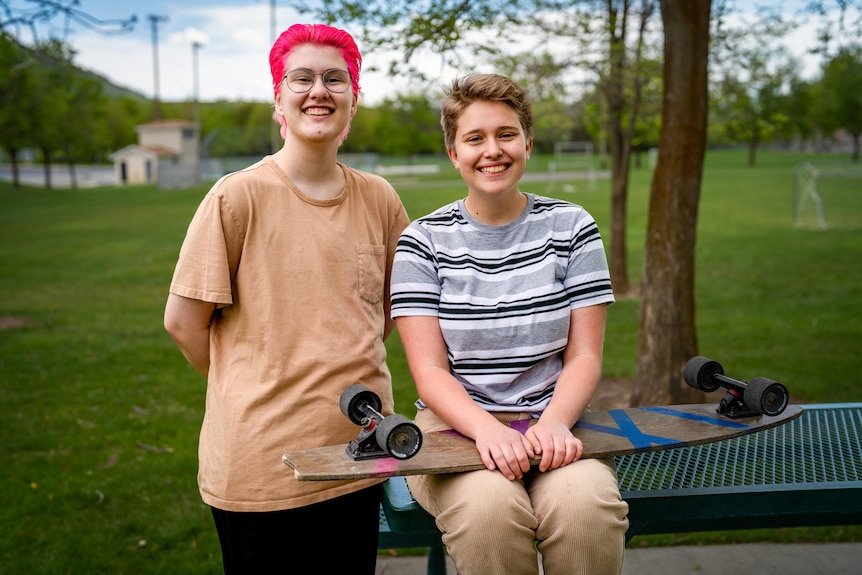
x=586, y=503
x=486, y=505
x=494, y=509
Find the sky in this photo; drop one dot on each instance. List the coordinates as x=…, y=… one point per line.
x=234, y=36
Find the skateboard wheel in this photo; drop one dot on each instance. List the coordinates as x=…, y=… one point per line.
x=765, y=396
x=699, y=372
x=399, y=436
x=354, y=398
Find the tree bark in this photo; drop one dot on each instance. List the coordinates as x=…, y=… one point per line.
x=668, y=337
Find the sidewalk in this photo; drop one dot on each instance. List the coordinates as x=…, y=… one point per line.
x=741, y=559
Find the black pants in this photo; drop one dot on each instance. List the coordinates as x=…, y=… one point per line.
x=331, y=537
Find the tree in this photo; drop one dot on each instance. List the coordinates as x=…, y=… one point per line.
x=842, y=94
x=408, y=124
x=752, y=78
x=77, y=131
x=668, y=336
x=17, y=88
x=798, y=108
x=621, y=130
x=835, y=22
x=51, y=100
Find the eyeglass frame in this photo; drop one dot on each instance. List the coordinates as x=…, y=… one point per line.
x=314, y=80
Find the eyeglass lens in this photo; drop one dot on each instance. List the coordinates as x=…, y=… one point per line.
x=302, y=79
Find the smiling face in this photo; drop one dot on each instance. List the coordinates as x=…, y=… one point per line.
x=490, y=149
x=318, y=114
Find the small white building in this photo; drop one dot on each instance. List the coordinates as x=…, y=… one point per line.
x=166, y=153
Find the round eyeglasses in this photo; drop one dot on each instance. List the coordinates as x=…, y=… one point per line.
x=301, y=80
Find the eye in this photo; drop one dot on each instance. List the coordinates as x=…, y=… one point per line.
x=336, y=78
x=300, y=78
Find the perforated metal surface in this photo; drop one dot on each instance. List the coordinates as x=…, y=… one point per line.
x=823, y=445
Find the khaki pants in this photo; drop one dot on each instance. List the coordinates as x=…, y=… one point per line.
x=489, y=523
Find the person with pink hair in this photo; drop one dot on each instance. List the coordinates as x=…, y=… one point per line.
x=280, y=298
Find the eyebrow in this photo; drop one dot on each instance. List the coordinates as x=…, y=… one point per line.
x=498, y=129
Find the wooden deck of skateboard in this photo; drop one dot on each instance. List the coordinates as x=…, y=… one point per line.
x=603, y=433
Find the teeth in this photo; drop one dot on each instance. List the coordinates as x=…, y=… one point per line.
x=493, y=169
x=318, y=112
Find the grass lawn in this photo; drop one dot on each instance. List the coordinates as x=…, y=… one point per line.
x=100, y=416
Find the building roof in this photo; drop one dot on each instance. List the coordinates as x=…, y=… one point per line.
x=149, y=151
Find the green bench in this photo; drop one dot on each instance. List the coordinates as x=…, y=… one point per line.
x=807, y=472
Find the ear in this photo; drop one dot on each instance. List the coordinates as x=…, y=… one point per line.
x=453, y=157
x=529, y=147
x=277, y=100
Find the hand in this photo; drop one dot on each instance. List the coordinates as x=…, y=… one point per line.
x=504, y=449
x=555, y=443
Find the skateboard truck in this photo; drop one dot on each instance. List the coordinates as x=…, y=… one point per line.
x=393, y=435
x=760, y=396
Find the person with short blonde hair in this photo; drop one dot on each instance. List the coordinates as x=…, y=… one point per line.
x=500, y=301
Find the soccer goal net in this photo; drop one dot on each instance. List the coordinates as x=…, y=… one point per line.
x=827, y=196
x=572, y=168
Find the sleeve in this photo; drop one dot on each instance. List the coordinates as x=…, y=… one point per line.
x=588, y=280
x=209, y=255
x=415, y=284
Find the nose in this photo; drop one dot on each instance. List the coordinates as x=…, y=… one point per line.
x=317, y=87
x=492, y=148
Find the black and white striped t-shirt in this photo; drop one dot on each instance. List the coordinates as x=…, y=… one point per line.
x=503, y=294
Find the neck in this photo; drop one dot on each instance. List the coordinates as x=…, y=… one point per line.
x=312, y=169
x=496, y=211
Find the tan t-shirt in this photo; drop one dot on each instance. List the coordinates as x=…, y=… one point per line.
x=299, y=285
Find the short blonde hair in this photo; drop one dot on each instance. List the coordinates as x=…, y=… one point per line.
x=478, y=87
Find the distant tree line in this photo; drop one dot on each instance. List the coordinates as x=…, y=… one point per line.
x=62, y=114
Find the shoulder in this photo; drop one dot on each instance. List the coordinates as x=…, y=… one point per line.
x=560, y=212
x=442, y=216
x=555, y=206
x=368, y=183
x=240, y=183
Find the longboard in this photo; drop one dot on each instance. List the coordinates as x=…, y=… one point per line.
x=603, y=433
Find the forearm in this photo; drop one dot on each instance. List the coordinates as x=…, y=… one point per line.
x=187, y=322
x=574, y=390
x=582, y=367
x=195, y=348
x=448, y=399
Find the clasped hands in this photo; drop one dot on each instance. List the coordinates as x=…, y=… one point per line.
x=509, y=451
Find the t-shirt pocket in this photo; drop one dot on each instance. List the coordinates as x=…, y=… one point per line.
x=371, y=263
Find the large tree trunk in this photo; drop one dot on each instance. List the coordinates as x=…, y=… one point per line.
x=667, y=328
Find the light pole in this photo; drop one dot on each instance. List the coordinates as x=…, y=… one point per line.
x=196, y=84
x=154, y=21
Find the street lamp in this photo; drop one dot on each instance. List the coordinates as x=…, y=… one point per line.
x=154, y=21
x=196, y=46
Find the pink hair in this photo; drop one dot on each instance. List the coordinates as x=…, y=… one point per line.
x=322, y=35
